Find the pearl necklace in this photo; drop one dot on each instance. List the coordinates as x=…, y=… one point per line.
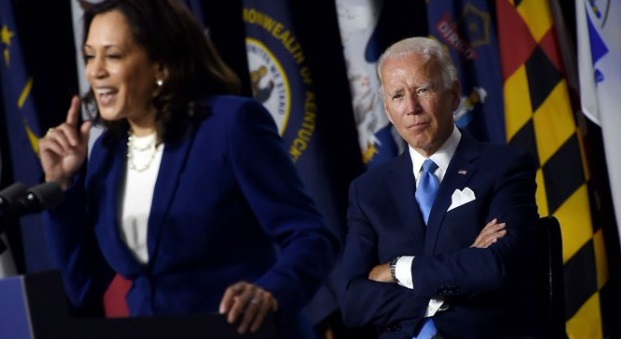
x=131, y=156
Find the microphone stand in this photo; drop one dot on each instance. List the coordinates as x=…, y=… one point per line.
x=11, y=240
x=10, y=226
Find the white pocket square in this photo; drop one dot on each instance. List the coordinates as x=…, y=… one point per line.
x=461, y=197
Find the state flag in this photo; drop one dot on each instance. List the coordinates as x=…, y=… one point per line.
x=539, y=117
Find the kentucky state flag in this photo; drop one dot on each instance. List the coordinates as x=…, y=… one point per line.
x=283, y=79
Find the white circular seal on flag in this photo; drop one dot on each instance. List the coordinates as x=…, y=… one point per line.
x=269, y=82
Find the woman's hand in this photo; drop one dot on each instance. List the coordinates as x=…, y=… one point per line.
x=249, y=301
x=63, y=149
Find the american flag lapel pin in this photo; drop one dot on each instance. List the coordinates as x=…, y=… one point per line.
x=462, y=172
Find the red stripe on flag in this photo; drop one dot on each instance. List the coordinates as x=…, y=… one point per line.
x=511, y=25
x=550, y=46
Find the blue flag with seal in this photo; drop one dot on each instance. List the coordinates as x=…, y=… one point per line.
x=21, y=118
x=466, y=27
x=22, y=128
x=283, y=80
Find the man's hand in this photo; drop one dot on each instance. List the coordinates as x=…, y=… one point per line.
x=490, y=234
x=381, y=273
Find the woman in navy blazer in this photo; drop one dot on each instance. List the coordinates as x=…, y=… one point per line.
x=189, y=192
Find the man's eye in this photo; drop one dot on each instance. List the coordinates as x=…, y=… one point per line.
x=423, y=91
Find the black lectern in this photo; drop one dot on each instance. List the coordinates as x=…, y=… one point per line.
x=35, y=307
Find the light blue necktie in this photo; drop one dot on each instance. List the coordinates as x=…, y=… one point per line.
x=425, y=195
x=427, y=188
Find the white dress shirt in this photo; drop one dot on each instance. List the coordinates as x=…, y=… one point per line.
x=442, y=158
x=137, y=196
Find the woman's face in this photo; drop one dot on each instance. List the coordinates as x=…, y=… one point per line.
x=121, y=74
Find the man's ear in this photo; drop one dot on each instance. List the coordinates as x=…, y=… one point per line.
x=456, y=90
x=387, y=113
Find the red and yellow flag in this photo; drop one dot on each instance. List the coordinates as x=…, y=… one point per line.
x=539, y=117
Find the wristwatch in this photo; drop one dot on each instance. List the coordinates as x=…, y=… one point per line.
x=393, y=267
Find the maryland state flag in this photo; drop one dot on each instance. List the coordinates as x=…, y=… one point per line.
x=539, y=117
x=466, y=27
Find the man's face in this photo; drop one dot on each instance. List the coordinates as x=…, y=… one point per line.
x=417, y=102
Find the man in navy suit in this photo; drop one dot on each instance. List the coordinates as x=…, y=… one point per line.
x=466, y=271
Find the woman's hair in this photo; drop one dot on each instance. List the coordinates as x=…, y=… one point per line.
x=173, y=37
x=426, y=47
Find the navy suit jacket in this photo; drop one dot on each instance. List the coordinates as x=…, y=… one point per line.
x=489, y=292
x=228, y=206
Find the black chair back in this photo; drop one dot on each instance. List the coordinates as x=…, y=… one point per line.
x=552, y=252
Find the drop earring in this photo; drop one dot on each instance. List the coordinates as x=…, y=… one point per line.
x=159, y=82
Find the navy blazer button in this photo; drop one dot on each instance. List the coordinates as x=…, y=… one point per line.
x=392, y=328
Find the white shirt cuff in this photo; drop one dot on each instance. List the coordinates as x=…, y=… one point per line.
x=403, y=271
x=433, y=307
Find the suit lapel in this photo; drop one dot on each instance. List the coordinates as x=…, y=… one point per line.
x=403, y=188
x=111, y=235
x=461, y=168
x=171, y=167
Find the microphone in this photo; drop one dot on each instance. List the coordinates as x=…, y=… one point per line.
x=17, y=200
x=8, y=198
x=11, y=195
x=41, y=197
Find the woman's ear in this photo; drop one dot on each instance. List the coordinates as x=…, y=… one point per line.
x=161, y=74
